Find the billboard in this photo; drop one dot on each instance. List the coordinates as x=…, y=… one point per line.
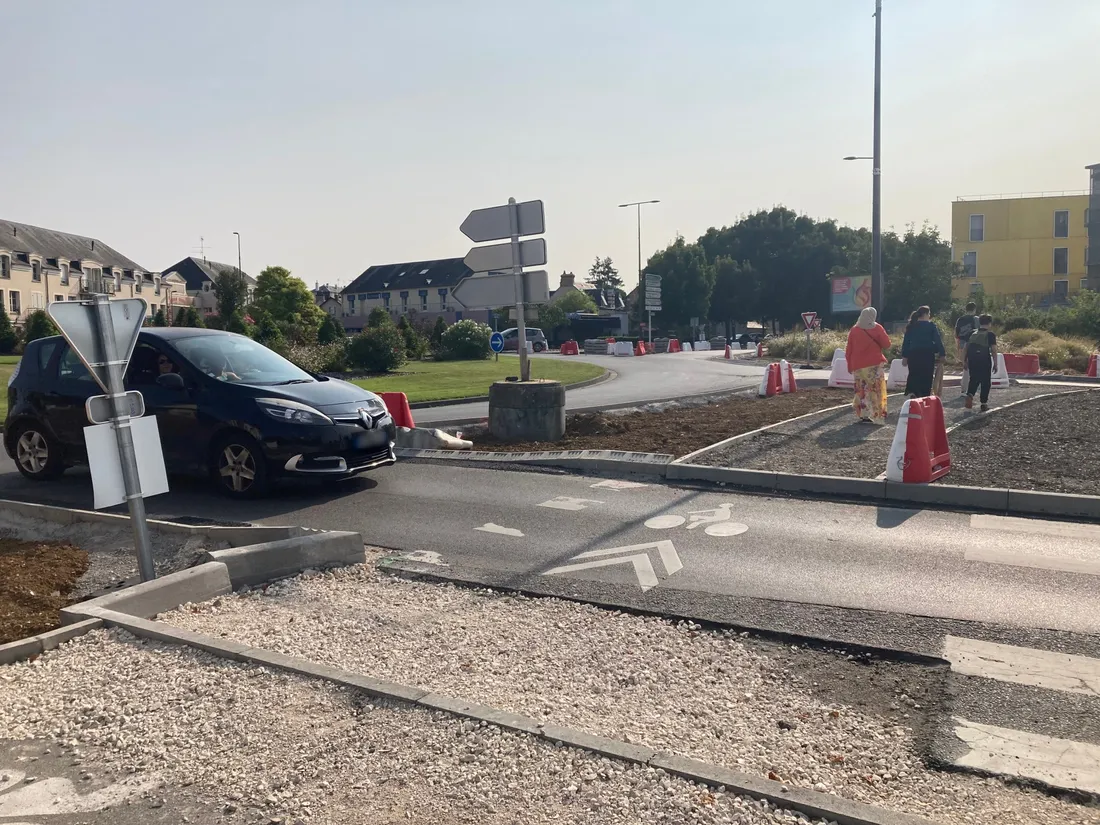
x=851, y=293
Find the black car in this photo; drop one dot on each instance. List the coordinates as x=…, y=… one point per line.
x=226, y=406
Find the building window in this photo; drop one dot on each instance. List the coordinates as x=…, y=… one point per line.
x=205, y=286
x=1086, y=217
x=1061, y=260
x=977, y=228
x=404, y=300
x=13, y=302
x=1084, y=283
x=351, y=304
x=5, y=266
x=975, y=288
x=38, y=300
x=1061, y=223
x=970, y=264
x=64, y=274
x=369, y=296
x=36, y=271
x=1061, y=289
x=386, y=300
x=57, y=298
x=423, y=300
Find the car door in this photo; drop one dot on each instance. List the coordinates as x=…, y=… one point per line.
x=67, y=388
x=176, y=410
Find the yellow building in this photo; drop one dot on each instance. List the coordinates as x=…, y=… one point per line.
x=1025, y=247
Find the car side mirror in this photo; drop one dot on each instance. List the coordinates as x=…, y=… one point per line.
x=170, y=381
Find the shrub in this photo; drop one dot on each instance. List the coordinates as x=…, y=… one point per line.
x=377, y=349
x=379, y=317
x=792, y=346
x=159, y=320
x=1017, y=322
x=9, y=338
x=466, y=340
x=435, y=338
x=38, y=326
x=416, y=345
x=330, y=331
x=1022, y=337
x=316, y=357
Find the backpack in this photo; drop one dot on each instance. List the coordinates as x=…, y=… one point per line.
x=979, y=344
x=965, y=327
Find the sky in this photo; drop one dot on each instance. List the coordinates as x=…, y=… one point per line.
x=337, y=134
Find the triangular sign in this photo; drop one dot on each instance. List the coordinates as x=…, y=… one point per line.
x=78, y=322
x=808, y=319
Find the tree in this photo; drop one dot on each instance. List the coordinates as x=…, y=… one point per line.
x=181, y=317
x=436, y=337
x=289, y=302
x=552, y=316
x=236, y=323
x=604, y=275
x=379, y=317
x=466, y=340
x=377, y=349
x=38, y=325
x=192, y=318
x=268, y=332
x=231, y=290
x=733, y=300
x=9, y=338
x=415, y=345
x=330, y=331
x=159, y=318
x=686, y=282
x=576, y=301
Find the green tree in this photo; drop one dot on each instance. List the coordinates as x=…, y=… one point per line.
x=181, y=317
x=236, y=322
x=9, y=338
x=231, y=290
x=379, y=317
x=289, y=302
x=686, y=282
x=192, y=318
x=416, y=347
x=466, y=340
x=603, y=274
x=552, y=316
x=330, y=331
x=159, y=318
x=576, y=301
x=436, y=337
x=38, y=325
x=733, y=300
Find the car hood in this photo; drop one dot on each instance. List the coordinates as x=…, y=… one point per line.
x=330, y=397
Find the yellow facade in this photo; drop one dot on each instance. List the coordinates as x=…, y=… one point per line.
x=1011, y=251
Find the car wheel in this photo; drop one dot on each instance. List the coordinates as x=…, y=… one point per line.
x=238, y=466
x=37, y=454
x=537, y=347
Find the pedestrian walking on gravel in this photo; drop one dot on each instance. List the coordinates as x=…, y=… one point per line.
x=966, y=326
x=921, y=348
x=981, y=359
x=867, y=343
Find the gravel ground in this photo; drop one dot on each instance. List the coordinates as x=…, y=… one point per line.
x=836, y=444
x=275, y=748
x=1019, y=447
x=707, y=695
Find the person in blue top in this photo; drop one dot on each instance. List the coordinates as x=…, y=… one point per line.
x=920, y=349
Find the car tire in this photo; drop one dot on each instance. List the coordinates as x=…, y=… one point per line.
x=37, y=454
x=537, y=347
x=238, y=466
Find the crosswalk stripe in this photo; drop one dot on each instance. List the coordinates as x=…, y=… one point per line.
x=1065, y=564
x=1059, y=762
x=1066, y=672
x=1012, y=524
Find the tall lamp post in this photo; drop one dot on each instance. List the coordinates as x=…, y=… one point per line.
x=639, y=205
x=239, y=269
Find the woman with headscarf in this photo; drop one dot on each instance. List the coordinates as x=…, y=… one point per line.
x=867, y=341
x=920, y=350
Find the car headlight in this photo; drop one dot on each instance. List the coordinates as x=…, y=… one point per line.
x=283, y=409
x=374, y=406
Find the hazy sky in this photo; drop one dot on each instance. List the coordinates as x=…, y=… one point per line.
x=336, y=135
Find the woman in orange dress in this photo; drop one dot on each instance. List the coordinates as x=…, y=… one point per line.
x=867, y=341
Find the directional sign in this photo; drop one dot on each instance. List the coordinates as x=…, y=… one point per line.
x=492, y=224
x=638, y=557
x=490, y=291
x=496, y=342
x=652, y=280
x=808, y=319
x=499, y=256
x=100, y=410
x=77, y=322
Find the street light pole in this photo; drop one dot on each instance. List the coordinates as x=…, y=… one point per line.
x=639, y=205
x=239, y=269
x=877, y=285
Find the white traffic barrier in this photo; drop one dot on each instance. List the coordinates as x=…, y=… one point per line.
x=686, y=346
x=1000, y=377
x=787, y=381
x=624, y=349
x=897, y=376
x=839, y=376
x=702, y=346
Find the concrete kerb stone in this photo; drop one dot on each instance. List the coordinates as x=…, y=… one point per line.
x=147, y=599
x=257, y=563
x=830, y=485
x=756, y=479
x=812, y=803
x=36, y=645
x=1032, y=502
x=653, y=464
x=973, y=498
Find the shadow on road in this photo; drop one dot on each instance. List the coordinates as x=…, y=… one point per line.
x=893, y=516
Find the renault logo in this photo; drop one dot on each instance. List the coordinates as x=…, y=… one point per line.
x=365, y=418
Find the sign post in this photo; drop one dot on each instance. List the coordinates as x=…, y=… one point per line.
x=809, y=319
x=652, y=299
x=93, y=330
x=496, y=344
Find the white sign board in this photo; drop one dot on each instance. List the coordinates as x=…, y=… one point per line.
x=490, y=291
x=77, y=322
x=100, y=410
x=499, y=256
x=492, y=223
x=107, y=485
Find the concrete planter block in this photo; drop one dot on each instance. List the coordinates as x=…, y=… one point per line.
x=527, y=410
x=258, y=563
x=145, y=600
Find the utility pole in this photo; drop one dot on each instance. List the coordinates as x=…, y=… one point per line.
x=639, y=205
x=877, y=285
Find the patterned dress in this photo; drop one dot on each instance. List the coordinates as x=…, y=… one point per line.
x=870, y=396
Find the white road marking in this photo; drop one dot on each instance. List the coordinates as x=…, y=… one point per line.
x=569, y=503
x=616, y=484
x=1011, y=524
x=1023, y=665
x=726, y=528
x=1040, y=562
x=496, y=528
x=55, y=795
x=664, y=522
x=643, y=568
x=425, y=557
x=1060, y=762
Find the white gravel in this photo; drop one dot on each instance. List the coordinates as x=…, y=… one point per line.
x=642, y=680
x=267, y=747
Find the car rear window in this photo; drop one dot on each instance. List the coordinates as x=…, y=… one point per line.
x=45, y=351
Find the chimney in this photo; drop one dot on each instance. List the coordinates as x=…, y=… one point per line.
x=567, y=279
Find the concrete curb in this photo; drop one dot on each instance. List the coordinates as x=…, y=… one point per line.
x=195, y=584
x=36, y=645
x=600, y=460
x=257, y=563
x=608, y=375
x=811, y=803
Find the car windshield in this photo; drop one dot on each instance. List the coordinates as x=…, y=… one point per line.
x=239, y=359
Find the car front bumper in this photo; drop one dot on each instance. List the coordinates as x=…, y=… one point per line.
x=332, y=451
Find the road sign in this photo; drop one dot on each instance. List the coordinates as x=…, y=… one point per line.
x=493, y=224
x=817, y=323
x=496, y=342
x=808, y=319
x=78, y=323
x=499, y=256
x=100, y=408
x=491, y=291
x=108, y=482
x=652, y=279
x=639, y=558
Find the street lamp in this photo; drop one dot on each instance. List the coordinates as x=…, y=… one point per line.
x=239, y=269
x=639, y=205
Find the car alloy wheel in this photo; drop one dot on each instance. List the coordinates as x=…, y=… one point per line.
x=32, y=451
x=237, y=468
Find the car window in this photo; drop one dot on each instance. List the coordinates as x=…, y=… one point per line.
x=46, y=349
x=238, y=359
x=145, y=366
x=70, y=368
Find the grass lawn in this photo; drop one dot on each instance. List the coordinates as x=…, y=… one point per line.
x=443, y=380
x=7, y=367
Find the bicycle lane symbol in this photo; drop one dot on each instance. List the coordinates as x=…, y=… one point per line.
x=718, y=521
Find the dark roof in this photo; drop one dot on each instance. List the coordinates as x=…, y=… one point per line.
x=49, y=243
x=445, y=272
x=196, y=270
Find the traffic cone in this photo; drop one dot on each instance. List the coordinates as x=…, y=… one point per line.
x=759, y=349
x=919, y=453
x=729, y=352
x=786, y=373
x=1092, y=366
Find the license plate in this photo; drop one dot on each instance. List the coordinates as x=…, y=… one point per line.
x=362, y=441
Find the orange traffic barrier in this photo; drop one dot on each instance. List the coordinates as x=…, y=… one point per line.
x=729, y=352
x=920, y=453
x=674, y=345
x=398, y=405
x=786, y=377
x=639, y=349
x=1092, y=366
x=1021, y=364
x=570, y=348
x=772, y=382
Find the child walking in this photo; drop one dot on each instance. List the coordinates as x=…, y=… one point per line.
x=981, y=355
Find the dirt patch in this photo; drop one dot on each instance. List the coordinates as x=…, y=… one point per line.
x=1047, y=444
x=675, y=431
x=36, y=579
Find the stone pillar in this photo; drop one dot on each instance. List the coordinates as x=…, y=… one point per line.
x=527, y=411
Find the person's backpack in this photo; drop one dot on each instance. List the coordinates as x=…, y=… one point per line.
x=965, y=327
x=980, y=343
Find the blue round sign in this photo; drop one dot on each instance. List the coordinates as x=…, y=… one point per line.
x=496, y=342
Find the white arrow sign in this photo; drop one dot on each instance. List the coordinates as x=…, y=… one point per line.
x=643, y=568
x=489, y=291
x=499, y=256
x=492, y=224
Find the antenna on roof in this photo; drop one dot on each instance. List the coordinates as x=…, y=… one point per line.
x=201, y=248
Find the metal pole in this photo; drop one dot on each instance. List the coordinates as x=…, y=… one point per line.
x=120, y=422
x=238, y=234
x=877, y=285
x=517, y=270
